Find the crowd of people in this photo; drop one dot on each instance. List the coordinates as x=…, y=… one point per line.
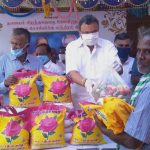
x=84, y=60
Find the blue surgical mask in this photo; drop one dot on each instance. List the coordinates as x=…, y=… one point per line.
x=43, y=58
x=123, y=52
x=17, y=52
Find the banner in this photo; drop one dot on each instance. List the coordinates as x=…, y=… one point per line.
x=59, y=31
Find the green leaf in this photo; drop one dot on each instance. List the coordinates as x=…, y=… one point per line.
x=45, y=135
x=55, y=117
x=8, y=140
x=89, y=133
x=20, y=99
x=55, y=96
x=15, y=137
x=83, y=135
x=26, y=97
x=28, y=82
x=65, y=81
x=51, y=133
x=60, y=95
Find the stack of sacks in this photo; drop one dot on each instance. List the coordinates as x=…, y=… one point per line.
x=25, y=92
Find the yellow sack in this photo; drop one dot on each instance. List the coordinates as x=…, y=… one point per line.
x=56, y=87
x=114, y=113
x=25, y=92
x=47, y=126
x=85, y=131
x=13, y=132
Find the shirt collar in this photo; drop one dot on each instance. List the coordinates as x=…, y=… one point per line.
x=28, y=59
x=80, y=42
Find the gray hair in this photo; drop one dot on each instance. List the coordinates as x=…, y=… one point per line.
x=20, y=31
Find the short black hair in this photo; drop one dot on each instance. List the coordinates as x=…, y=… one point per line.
x=20, y=31
x=48, y=48
x=88, y=19
x=122, y=36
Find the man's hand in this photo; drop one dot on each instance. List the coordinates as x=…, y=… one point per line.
x=11, y=80
x=99, y=123
x=89, y=85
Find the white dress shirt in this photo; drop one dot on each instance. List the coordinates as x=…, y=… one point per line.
x=52, y=67
x=126, y=76
x=89, y=65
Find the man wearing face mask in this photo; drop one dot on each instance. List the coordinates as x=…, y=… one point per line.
x=123, y=44
x=43, y=53
x=16, y=59
x=88, y=57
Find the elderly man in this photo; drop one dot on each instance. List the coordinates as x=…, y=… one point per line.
x=17, y=58
x=88, y=57
x=137, y=130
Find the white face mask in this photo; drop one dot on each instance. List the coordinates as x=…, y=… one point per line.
x=90, y=38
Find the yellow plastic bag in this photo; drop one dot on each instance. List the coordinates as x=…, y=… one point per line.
x=25, y=92
x=47, y=126
x=85, y=131
x=56, y=87
x=114, y=113
x=13, y=132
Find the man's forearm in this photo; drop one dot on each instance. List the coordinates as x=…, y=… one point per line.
x=122, y=139
x=77, y=78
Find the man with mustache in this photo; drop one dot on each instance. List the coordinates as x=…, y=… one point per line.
x=136, y=134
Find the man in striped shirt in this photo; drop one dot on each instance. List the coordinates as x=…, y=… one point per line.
x=137, y=130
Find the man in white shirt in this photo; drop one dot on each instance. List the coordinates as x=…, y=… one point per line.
x=88, y=57
x=123, y=44
x=43, y=53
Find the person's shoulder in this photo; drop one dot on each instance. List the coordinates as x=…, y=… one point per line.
x=4, y=56
x=52, y=67
x=34, y=59
x=105, y=41
x=74, y=43
x=131, y=58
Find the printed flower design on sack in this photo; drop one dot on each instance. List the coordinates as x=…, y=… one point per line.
x=22, y=91
x=11, y=131
x=86, y=126
x=47, y=126
x=58, y=88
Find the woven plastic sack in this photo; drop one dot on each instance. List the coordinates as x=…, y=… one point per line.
x=14, y=134
x=114, y=113
x=25, y=92
x=47, y=126
x=110, y=84
x=85, y=131
x=56, y=87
